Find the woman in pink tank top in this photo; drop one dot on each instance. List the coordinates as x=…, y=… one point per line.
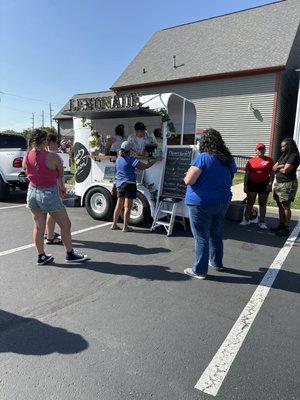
x=45, y=192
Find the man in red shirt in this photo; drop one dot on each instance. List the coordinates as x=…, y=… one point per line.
x=258, y=180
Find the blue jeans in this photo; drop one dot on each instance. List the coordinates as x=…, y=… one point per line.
x=206, y=226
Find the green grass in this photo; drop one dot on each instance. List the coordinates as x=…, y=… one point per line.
x=71, y=181
x=239, y=178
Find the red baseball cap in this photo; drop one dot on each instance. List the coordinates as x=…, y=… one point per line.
x=260, y=146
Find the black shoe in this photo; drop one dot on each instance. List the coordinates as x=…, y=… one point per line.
x=56, y=235
x=277, y=228
x=44, y=259
x=284, y=232
x=73, y=257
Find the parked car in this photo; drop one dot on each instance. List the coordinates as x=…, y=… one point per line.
x=12, y=150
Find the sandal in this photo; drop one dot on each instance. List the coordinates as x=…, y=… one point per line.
x=128, y=229
x=55, y=240
x=115, y=228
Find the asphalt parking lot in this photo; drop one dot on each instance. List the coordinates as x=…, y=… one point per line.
x=130, y=325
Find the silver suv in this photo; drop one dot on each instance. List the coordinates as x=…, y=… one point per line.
x=12, y=150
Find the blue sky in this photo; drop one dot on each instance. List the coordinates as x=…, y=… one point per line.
x=52, y=49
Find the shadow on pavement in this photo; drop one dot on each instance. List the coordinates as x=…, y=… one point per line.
x=148, y=272
x=16, y=197
x=251, y=234
x=115, y=247
x=29, y=336
x=285, y=280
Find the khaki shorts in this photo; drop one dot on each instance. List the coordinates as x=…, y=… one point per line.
x=285, y=192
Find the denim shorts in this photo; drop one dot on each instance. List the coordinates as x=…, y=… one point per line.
x=44, y=199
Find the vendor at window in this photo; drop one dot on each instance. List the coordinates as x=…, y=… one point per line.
x=117, y=140
x=159, y=140
x=141, y=138
x=157, y=133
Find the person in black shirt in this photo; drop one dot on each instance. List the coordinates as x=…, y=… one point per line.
x=286, y=185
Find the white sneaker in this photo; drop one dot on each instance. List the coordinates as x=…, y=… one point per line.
x=189, y=271
x=245, y=222
x=262, y=226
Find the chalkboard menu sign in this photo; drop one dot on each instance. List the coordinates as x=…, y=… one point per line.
x=178, y=161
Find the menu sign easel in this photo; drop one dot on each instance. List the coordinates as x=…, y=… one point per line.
x=178, y=161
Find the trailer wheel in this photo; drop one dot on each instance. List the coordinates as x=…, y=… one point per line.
x=4, y=189
x=99, y=203
x=140, y=211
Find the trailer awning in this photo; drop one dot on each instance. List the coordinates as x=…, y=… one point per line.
x=133, y=112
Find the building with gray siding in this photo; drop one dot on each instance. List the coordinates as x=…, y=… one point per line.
x=238, y=69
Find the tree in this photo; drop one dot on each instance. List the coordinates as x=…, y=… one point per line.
x=10, y=132
x=26, y=133
x=49, y=129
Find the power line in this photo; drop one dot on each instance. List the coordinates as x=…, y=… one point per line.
x=15, y=109
x=24, y=97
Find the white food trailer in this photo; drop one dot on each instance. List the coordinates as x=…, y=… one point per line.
x=94, y=177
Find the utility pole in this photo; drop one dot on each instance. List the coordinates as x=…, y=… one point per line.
x=43, y=122
x=50, y=114
x=32, y=120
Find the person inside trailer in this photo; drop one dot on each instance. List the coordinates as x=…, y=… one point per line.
x=117, y=140
x=141, y=138
x=157, y=133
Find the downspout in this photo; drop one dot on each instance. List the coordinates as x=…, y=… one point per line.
x=297, y=120
x=275, y=111
x=58, y=129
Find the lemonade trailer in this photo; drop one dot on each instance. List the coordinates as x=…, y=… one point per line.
x=95, y=169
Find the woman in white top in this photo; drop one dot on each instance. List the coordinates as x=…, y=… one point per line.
x=117, y=140
x=141, y=138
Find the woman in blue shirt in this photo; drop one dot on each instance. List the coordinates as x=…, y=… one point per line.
x=126, y=184
x=208, y=196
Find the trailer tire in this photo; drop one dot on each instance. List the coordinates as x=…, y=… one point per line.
x=4, y=189
x=140, y=211
x=99, y=203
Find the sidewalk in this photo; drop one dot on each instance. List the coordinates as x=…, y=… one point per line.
x=238, y=194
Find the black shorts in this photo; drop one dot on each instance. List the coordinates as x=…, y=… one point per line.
x=127, y=190
x=260, y=188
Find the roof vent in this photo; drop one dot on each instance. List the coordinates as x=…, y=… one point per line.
x=144, y=70
x=174, y=62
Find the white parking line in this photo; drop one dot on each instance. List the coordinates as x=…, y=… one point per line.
x=7, y=208
x=214, y=375
x=28, y=246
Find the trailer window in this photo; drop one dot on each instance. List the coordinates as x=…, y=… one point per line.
x=189, y=139
x=173, y=140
